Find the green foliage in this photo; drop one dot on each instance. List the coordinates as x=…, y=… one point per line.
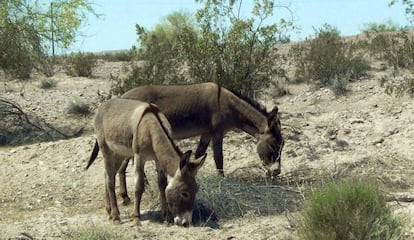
x=396, y=49
x=119, y=56
x=409, y=8
x=329, y=59
x=20, y=47
x=388, y=26
x=218, y=46
x=80, y=64
x=48, y=83
x=28, y=28
x=349, y=209
x=238, y=52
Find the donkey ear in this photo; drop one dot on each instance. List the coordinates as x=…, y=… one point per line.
x=196, y=164
x=272, y=115
x=185, y=159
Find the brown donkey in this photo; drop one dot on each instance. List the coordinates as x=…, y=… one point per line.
x=209, y=110
x=125, y=129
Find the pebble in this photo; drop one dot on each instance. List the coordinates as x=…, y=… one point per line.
x=356, y=120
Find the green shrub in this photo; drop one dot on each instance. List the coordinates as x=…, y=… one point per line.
x=328, y=58
x=80, y=64
x=48, y=83
x=349, y=209
x=396, y=49
x=388, y=26
x=78, y=107
x=119, y=56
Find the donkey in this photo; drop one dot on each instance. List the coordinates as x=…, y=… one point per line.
x=210, y=110
x=126, y=128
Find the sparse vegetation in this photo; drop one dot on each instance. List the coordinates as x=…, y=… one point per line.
x=329, y=60
x=349, y=209
x=396, y=49
x=119, y=56
x=238, y=53
x=80, y=64
x=78, y=107
x=48, y=83
x=93, y=233
x=388, y=26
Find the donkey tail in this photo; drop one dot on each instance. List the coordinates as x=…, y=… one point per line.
x=93, y=155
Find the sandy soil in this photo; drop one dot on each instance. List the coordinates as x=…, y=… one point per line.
x=45, y=192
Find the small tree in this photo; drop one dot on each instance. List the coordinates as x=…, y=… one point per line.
x=28, y=27
x=237, y=52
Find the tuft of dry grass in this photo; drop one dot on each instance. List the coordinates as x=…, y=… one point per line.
x=78, y=107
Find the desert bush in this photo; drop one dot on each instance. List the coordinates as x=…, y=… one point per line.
x=80, y=64
x=219, y=45
x=48, y=83
x=388, y=26
x=119, y=56
x=78, y=107
x=328, y=59
x=398, y=86
x=349, y=209
x=396, y=49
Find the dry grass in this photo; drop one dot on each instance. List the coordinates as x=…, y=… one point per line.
x=232, y=197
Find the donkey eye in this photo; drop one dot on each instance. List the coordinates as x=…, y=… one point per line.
x=185, y=195
x=271, y=147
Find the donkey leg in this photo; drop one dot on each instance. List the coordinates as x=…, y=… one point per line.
x=162, y=184
x=139, y=186
x=202, y=145
x=122, y=183
x=110, y=172
x=218, y=153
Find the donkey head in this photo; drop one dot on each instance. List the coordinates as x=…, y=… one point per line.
x=181, y=190
x=270, y=144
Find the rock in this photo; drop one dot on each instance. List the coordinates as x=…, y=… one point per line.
x=356, y=120
x=378, y=141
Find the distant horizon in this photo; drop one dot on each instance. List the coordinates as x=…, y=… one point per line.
x=116, y=31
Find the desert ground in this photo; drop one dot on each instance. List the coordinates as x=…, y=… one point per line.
x=45, y=193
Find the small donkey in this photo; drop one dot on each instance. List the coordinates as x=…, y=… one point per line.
x=126, y=128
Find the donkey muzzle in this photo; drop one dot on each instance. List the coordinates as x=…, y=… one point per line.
x=184, y=220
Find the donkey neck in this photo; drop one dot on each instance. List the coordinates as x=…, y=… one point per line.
x=166, y=152
x=246, y=117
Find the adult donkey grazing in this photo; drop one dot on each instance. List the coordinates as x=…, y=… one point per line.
x=126, y=128
x=209, y=110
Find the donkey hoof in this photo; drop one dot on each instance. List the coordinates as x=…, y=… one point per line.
x=126, y=201
x=137, y=222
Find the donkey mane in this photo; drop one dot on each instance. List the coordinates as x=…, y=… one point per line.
x=251, y=102
x=155, y=110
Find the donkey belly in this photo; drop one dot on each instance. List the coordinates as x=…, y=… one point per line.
x=120, y=149
x=184, y=128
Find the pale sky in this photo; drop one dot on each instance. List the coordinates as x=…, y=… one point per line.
x=116, y=30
